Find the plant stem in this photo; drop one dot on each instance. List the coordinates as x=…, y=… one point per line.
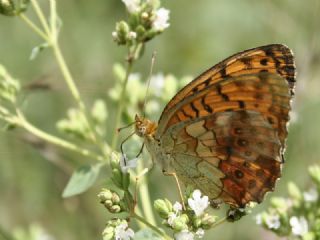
x=154, y=228
x=21, y=121
x=121, y=104
x=130, y=59
x=51, y=38
x=41, y=16
x=53, y=20
x=145, y=195
x=67, y=76
x=223, y=220
x=34, y=27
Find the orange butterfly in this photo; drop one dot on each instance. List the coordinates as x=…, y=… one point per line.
x=224, y=133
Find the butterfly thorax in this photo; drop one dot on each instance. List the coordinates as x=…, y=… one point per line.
x=145, y=127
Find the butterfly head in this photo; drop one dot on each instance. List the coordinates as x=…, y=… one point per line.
x=144, y=127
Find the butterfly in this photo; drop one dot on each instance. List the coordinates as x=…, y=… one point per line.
x=225, y=132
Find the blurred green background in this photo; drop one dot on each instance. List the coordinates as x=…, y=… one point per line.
x=201, y=34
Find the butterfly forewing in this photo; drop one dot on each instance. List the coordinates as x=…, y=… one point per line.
x=275, y=58
x=225, y=132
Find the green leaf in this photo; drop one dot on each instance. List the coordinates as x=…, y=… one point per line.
x=36, y=50
x=146, y=234
x=81, y=180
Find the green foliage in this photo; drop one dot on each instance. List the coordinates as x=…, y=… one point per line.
x=13, y=8
x=82, y=179
x=9, y=87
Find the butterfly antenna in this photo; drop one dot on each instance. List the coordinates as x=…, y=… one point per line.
x=148, y=83
x=121, y=128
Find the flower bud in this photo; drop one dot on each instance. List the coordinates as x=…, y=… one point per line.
x=114, y=161
x=163, y=207
x=280, y=204
x=122, y=29
x=294, y=192
x=184, y=218
x=117, y=177
x=207, y=221
x=144, y=15
x=115, y=198
x=7, y=8
x=104, y=195
x=179, y=224
x=108, y=233
x=197, y=222
x=115, y=209
x=108, y=204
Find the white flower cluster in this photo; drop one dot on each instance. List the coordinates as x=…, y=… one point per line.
x=123, y=232
x=299, y=225
x=198, y=204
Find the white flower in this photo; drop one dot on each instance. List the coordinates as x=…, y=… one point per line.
x=299, y=225
x=161, y=19
x=132, y=35
x=177, y=207
x=184, y=235
x=273, y=221
x=200, y=233
x=122, y=232
x=198, y=203
x=114, y=35
x=126, y=164
x=171, y=218
x=132, y=5
x=311, y=195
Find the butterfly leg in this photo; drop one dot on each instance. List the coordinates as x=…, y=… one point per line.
x=173, y=174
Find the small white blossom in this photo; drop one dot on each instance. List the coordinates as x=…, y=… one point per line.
x=161, y=19
x=198, y=204
x=311, y=195
x=184, y=235
x=122, y=232
x=126, y=164
x=114, y=35
x=273, y=221
x=132, y=5
x=132, y=35
x=144, y=15
x=200, y=233
x=171, y=218
x=177, y=207
x=299, y=225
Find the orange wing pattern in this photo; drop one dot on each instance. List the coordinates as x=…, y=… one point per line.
x=226, y=130
x=274, y=58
